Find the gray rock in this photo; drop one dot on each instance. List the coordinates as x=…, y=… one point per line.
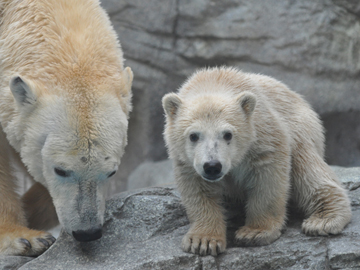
x=143, y=230
x=312, y=46
x=150, y=174
x=13, y=262
x=350, y=177
x=343, y=138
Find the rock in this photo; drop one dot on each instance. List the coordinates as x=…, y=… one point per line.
x=151, y=174
x=342, y=138
x=312, y=46
x=144, y=228
x=350, y=177
x=13, y=262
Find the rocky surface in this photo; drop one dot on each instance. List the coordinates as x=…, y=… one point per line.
x=13, y=262
x=312, y=46
x=143, y=230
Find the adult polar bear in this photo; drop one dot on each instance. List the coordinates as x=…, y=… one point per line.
x=64, y=103
x=250, y=138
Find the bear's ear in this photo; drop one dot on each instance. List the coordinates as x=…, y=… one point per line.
x=171, y=103
x=247, y=102
x=22, y=92
x=128, y=79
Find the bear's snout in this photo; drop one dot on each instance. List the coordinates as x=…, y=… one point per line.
x=88, y=235
x=212, y=169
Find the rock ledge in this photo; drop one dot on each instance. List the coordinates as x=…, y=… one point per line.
x=143, y=230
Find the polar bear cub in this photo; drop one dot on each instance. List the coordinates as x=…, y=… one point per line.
x=248, y=137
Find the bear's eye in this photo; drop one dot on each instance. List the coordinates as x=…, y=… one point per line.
x=227, y=136
x=194, y=137
x=61, y=172
x=111, y=174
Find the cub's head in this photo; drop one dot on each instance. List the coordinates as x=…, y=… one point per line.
x=210, y=130
x=71, y=141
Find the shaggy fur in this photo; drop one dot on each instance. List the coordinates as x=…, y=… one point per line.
x=65, y=98
x=275, y=149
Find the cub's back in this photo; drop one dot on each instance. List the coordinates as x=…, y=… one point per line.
x=301, y=120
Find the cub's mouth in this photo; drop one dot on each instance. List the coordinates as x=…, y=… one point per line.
x=210, y=178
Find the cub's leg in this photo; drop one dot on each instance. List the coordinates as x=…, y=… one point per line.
x=207, y=233
x=319, y=194
x=267, y=195
x=15, y=237
x=39, y=208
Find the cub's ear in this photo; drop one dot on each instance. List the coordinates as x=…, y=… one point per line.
x=22, y=91
x=247, y=102
x=128, y=79
x=171, y=103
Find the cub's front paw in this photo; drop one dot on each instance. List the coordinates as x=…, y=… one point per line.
x=247, y=236
x=204, y=244
x=22, y=241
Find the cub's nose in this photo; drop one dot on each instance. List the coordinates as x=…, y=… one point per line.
x=212, y=168
x=88, y=235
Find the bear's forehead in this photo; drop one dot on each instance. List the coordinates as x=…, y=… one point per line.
x=208, y=106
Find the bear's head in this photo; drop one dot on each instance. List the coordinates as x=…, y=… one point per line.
x=71, y=140
x=209, y=126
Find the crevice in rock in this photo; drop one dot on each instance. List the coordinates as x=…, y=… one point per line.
x=327, y=262
x=175, y=24
x=120, y=10
x=238, y=39
x=148, y=64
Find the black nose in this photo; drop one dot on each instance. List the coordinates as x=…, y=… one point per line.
x=87, y=235
x=212, y=168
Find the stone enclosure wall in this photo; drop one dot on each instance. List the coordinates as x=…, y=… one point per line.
x=312, y=46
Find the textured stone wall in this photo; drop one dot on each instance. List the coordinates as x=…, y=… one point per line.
x=312, y=46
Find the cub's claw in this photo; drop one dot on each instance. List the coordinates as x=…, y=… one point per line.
x=51, y=239
x=44, y=242
x=204, y=244
x=25, y=242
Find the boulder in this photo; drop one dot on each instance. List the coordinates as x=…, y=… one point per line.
x=143, y=230
x=13, y=262
x=312, y=46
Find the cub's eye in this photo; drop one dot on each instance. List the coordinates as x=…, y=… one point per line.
x=111, y=174
x=62, y=173
x=227, y=136
x=194, y=137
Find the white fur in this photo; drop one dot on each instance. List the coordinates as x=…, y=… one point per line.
x=65, y=99
x=277, y=147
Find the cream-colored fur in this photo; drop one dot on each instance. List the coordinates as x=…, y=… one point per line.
x=65, y=99
x=275, y=148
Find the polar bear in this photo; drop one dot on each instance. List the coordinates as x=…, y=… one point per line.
x=65, y=99
x=248, y=137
